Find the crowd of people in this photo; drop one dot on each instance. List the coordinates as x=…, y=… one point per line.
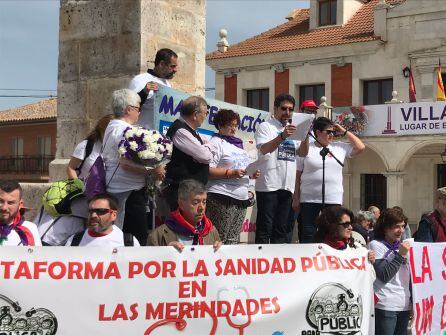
x=206, y=187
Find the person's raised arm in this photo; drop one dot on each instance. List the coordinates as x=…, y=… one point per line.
x=355, y=141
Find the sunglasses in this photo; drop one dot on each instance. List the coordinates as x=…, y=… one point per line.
x=329, y=132
x=345, y=224
x=99, y=211
x=284, y=109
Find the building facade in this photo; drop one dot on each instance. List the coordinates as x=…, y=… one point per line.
x=28, y=135
x=354, y=53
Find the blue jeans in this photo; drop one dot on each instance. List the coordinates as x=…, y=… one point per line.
x=391, y=322
x=275, y=217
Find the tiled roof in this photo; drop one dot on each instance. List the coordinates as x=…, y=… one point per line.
x=295, y=34
x=39, y=111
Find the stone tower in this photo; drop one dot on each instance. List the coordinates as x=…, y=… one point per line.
x=103, y=44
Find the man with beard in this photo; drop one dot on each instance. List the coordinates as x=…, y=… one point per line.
x=101, y=231
x=14, y=230
x=145, y=84
x=275, y=186
x=187, y=225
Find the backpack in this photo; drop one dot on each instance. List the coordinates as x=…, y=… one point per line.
x=57, y=198
x=77, y=238
x=88, y=150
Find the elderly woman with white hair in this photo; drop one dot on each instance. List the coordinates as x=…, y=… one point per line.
x=125, y=179
x=363, y=227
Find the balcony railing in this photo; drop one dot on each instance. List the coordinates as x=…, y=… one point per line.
x=25, y=164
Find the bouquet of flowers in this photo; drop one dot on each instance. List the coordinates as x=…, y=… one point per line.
x=354, y=120
x=145, y=147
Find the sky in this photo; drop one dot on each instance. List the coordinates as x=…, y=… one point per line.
x=29, y=40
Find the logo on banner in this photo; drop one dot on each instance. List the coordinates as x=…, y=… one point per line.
x=36, y=321
x=335, y=309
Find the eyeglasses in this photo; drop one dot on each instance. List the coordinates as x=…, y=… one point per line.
x=285, y=109
x=329, y=131
x=345, y=224
x=137, y=107
x=99, y=211
x=199, y=112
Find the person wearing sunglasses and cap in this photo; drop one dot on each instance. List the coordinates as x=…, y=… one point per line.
x=307, y=197
x=101, y=231
x=308, y=107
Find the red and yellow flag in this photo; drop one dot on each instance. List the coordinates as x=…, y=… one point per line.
x=440, y=88
x=412, y=90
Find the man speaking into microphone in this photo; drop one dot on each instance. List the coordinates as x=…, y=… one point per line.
x=275, y=186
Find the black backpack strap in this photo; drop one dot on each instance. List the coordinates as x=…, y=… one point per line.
x=128, y=240
x=88, y=150
x=77, y=238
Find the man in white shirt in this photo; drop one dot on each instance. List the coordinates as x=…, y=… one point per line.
x=275, y=186
x=145, y=84
x=14, y=230
x=101, y=231
x=191, y=155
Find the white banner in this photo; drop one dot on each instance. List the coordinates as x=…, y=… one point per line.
x=418, y=118
x=267, y=290
x=428, y=273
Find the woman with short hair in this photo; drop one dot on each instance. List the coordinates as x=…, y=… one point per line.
x=227, y=188
x=334, y=228
x=307, y=198
x=125, y=179
x=392, y=272
x=362, y=228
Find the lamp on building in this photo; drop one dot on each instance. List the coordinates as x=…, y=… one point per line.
x=443, y=155
x=406, y=72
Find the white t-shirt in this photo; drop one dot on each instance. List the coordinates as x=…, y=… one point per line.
x=147, y=117
x=65, y=226
x=229, y=156
x=279, y=171
x=13, y=238
x=117, y=179
x=395, y=294
x=114, y=239
x=311, y=178
x=79, y=153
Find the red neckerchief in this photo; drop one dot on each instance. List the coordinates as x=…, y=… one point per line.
x=25, y=235
x=338, y=245
x=184, y=226
x=436, y=219
x=94, y=234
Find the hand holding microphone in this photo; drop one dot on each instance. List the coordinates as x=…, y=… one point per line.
x=288, y=130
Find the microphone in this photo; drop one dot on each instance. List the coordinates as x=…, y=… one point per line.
x=290, y=121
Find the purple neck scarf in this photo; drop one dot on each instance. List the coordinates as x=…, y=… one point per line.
x=393, y=247
x=232, y=139
x=5, y=230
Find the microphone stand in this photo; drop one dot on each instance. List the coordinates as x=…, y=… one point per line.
x=324, y=152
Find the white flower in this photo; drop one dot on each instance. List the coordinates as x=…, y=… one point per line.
x=158, y=156
x=133, y=145
x=122, y=150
